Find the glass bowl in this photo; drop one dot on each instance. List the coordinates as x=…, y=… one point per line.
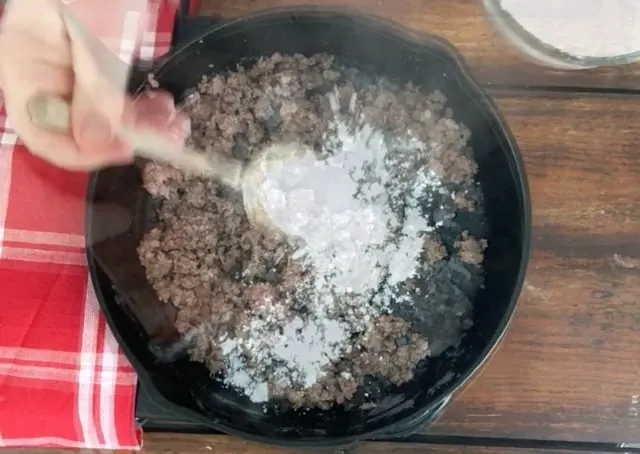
x=539, y=52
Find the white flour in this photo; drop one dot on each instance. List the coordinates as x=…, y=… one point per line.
x=301, y=348
x=354, y=244
x=341, y=208
x=581, y=28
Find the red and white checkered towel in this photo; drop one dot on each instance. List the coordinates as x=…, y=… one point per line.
x=63, y=379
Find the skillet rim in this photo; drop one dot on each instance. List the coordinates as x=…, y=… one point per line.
x=419, y=40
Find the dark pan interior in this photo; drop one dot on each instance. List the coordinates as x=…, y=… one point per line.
x=142, y=323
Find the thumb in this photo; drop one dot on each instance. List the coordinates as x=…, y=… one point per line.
x=96, y=116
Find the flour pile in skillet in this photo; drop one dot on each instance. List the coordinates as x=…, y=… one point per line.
x=375, y=272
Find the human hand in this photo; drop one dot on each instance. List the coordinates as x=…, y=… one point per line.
x=42, y=55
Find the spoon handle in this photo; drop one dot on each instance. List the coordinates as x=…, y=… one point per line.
x=53, y=114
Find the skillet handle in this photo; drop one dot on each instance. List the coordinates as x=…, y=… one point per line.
x=401, y=430
x=408, y=428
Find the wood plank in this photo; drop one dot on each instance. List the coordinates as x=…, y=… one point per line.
x=462, y=23
x=157, y=443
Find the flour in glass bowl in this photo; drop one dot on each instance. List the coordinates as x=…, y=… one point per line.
x=581, y=28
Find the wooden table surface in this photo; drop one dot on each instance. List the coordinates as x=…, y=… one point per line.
x=569, y=367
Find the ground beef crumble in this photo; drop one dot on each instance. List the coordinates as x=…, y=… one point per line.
x=205, y=258
x=471, y=249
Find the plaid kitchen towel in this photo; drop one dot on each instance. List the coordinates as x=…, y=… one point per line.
x=63, y=379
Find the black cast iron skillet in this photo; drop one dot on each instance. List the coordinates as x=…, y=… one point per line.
x=144, y=326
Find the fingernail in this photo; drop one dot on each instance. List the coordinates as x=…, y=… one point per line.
x=96, y=128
